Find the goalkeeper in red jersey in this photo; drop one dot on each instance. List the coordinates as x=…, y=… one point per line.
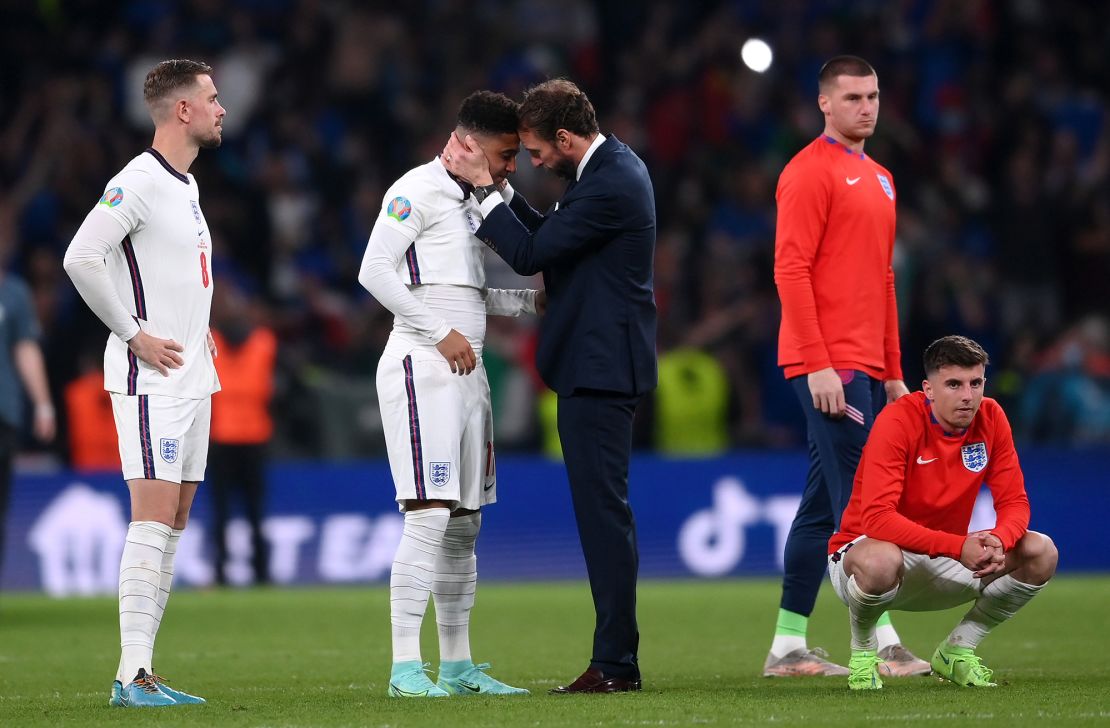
x=903, y=540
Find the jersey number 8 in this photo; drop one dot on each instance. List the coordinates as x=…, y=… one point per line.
x=204, y=269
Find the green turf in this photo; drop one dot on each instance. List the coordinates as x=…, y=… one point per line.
x=321, y=657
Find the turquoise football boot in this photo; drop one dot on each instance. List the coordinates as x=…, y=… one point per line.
x=409, y=679
x=465, y=678
x=179, y=696
x=142, y=692
x=116, y=698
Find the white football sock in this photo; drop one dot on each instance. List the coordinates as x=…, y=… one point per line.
x=166, y=580
x=164, y=583
x=784, y=644
x=410, y=580
x=864, y=611
x=453, y=589
x=998, y=601
x=140, y=573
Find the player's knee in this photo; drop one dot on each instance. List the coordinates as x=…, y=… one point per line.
x=877, y=568
x=1039, y=557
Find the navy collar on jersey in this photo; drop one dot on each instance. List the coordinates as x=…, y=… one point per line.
x=464, y=186
x=830, y=140
x=169, y=168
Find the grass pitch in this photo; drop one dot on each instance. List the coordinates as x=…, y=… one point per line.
x=320, y=657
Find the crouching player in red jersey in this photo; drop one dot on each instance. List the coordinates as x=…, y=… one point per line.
x=903, y=540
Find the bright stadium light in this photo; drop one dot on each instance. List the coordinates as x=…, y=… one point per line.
x=756, y=54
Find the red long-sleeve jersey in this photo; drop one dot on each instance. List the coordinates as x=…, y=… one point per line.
x=916, y=484
x=833, y=245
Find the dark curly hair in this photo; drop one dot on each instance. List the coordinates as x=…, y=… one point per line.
x=488, y=112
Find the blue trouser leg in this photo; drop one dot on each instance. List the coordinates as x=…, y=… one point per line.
x=596, y=434
x=834, y=451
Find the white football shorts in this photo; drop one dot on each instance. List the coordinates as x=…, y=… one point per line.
x=162, y=438
x=928, y=584
x=438, y=428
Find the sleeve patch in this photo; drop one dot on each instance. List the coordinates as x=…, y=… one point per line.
x=399, y=208
x=112, y=197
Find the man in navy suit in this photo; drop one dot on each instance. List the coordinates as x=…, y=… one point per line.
x=597, y=339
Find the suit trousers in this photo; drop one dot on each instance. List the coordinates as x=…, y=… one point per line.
x=239, y=470
x=835, y=447
x=596, y=433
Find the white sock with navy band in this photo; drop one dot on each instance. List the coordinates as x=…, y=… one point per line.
x=140, y=575
x=411, y=578
x=455, y=582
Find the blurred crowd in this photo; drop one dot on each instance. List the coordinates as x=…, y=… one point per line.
x=994, y=122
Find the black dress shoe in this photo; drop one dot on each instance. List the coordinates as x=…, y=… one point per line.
x=595, y=681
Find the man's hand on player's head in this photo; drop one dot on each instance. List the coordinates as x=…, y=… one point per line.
x=466, y=160
x=162, y=354
x=827, y=391
x=458, y=353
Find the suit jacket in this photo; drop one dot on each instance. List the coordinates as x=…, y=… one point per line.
x=596, y=250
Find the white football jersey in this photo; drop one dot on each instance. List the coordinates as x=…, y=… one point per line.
x=162, y=271
x=430, y=208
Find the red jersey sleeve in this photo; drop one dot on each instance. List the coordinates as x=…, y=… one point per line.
x=884, y=476
x=892, y=347
x=803, y=199
x=1006, y=481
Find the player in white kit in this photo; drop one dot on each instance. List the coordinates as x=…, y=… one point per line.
x=424, y=264
x=142, y=262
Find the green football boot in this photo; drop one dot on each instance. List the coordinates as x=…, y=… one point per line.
x=465, y=678
x=962, y=666
x=863, y=670
x=410, y=680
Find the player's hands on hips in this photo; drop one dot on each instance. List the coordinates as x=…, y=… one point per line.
x=458, y=352
x=827, y=391
x=895, y=388
x=212, y=345
x=983, y=554
x=162, y=354
x=466, y=160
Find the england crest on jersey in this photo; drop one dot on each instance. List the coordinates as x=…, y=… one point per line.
x=440, y=474
x=169, y=449
x=974, y=456
x=887, y=187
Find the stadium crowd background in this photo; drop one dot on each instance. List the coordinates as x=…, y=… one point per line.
x=994, y=122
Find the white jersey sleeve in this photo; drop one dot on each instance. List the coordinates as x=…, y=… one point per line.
x=387, y=245
x=141, y=260
x=129, y=200
x=104, y=228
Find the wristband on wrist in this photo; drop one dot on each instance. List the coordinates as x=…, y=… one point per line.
x=481, y=193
